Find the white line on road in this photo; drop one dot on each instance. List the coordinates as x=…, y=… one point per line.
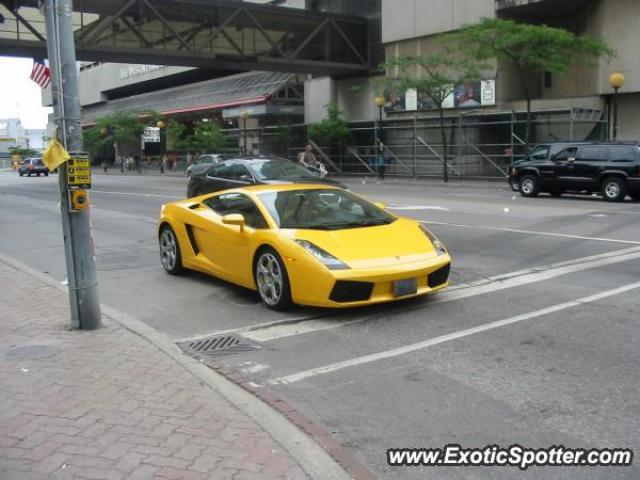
x=296, y=377
x=138, y=194
x=532, y=232
x=489, y=285
x=418, y=207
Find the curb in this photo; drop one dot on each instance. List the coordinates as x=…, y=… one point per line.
x=314, y=458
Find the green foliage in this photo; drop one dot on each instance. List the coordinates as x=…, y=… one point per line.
x=433, y=75
x=332, y=130
x=23, y=152
x=93, y=140
x=535, y=47
x=120, y=127
x=177, y=132
x=208, y=136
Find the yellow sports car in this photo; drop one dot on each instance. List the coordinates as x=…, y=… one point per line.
x=303, y=244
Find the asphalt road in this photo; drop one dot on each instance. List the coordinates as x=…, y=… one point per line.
x=536, y=343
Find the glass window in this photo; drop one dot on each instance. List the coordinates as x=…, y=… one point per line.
x=590, y=153
x=222, y=170
x=622, y=153
x=323, y=209
x=566, y=154
x=541, y=152
x=278, y=169
x=229, y=203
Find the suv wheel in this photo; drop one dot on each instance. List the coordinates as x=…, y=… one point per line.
x=513, y=183
x=529, y=186
x=614, y=189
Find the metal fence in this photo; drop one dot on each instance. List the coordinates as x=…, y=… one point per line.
x=480, y=145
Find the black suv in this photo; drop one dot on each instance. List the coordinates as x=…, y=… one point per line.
x=613, y=169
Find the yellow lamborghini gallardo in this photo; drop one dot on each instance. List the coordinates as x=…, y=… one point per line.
x=303, y=244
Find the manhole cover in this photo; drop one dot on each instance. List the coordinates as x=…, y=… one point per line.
x=218, y=346
x=28, y=352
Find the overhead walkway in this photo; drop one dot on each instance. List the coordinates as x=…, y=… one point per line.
x=225, y=34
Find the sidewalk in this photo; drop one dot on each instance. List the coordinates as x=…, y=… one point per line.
x=111, y=404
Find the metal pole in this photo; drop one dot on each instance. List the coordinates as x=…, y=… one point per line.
x=80, y=261
x=244, y=135
x=615, y=114
x=415, y=146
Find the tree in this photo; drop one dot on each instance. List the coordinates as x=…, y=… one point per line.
x=434, y=76
x=536, y=48
x=23, y=152
x=332, y=130
x=120, y=129
x=207, y=136
x=177, y=132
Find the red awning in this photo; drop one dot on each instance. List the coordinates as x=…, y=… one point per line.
x=216, y=106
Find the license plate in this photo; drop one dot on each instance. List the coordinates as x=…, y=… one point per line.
x=405, y=287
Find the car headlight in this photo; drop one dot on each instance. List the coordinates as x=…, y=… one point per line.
x=328, y=260
x=437, y=244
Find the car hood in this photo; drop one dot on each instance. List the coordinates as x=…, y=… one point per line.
x=372, y=247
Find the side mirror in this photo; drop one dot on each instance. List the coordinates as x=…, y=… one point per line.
x=571, y=159
x=246, y=179
x=380, y=205
x=234, y=219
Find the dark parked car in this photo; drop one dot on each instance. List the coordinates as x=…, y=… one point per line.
x=543, y=151
x=247, y=171
x=33, y=166
x=612, y=169
x=205, y=159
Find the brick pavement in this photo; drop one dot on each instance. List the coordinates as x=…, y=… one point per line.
x=109, y=404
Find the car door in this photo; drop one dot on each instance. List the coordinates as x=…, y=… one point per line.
x=561, y=169
x=590, y=160
x=228, y=247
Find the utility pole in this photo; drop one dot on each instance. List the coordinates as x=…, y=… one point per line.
x=76, y=227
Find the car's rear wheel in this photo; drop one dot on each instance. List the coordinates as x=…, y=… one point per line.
x=529, y=186
x=170, y=251
x=272, y=280
x=614, y=189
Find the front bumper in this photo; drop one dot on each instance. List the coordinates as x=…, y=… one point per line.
x=359, y=287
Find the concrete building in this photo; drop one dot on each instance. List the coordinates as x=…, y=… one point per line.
x=13, y=134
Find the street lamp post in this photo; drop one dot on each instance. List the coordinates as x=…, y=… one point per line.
x=616, y=80
x=244, y=115
x=379, y=101
x=161, y=125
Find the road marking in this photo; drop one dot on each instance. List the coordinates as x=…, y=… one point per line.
x=138, y=194
x=532, y=232
x=296, y=377
x=519, y=278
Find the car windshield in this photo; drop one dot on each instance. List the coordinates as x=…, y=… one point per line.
x=276, y=169
x=541, y=152
x=323, y=209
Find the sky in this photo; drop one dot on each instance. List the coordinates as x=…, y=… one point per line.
x=19, y=95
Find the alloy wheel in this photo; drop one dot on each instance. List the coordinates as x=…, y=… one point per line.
x=168, y=249
x=270, y=278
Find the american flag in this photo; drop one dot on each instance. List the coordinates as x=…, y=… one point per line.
x=40, y=73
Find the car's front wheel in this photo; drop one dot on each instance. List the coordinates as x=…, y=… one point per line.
x=46, y=174
x=614, y=189
x=21, y=174
x=170, y=251
x=529, y=186
x=272, y=280
x=514, y=184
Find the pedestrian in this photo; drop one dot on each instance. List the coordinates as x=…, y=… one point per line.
x=381, y=162
x=104, y=165
x=163, y=163
x=129, y=163
x=189, y=159
x=308, y=160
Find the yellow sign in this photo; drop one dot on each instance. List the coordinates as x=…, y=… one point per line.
x=79, y=171
x=79, y=199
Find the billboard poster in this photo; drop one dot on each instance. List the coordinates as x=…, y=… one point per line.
x=474, y=94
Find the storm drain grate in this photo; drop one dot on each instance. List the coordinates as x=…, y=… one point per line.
x=218, y=346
